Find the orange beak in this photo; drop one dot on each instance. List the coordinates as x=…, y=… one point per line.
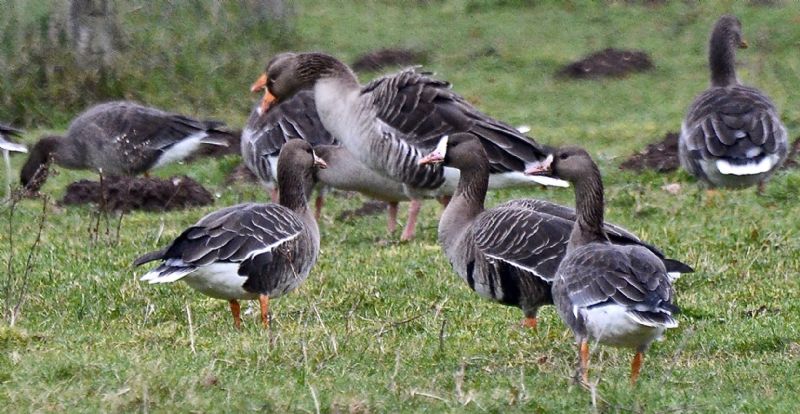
x=269, y=98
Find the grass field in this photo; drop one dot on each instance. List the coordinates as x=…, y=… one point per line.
x=382, y=326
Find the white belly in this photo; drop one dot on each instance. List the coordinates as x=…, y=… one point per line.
x=220, y=281
x=611, y=325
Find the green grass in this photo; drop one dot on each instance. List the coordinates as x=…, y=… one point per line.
x=385, y=327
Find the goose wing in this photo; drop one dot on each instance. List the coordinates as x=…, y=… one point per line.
x=422, y=109
x=265, y=133
x=524, y=238
x=246, y=234
x=734, y=123
x=628, y=276
x=9, y=131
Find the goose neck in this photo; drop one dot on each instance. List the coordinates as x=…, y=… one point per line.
x=589, y=205
x=294, y=189
x=721, y=59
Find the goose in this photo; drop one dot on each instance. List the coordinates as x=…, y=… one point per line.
x=732, y=135
x=249, y=251
x=389, y=122
x=121, y=138
x=614, y=294
x=509, y=253
x=8, y=146
x=267, y=131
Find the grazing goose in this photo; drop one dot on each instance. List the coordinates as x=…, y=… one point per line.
x=388, y=123
x=732, y=135
x=122, y=138
x=509, y=253
x=8, y=146
x=249, y=251
x=615, y=294
x=267, y=131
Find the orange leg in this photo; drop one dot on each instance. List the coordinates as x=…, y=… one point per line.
x=236, y=311
x=445, y=200
x=318, y=203
x=761, y=186
x=584, y=361
x=273, y=194
x=411, y=225
x=391, y=224
x=264, y=301
x=530, y=322
x=636, y=366
x=147, y=174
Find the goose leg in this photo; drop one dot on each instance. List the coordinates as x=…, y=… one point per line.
x=411, y=224
x=147, y=174
x=236, y=311
x=7, y=160
x=636, y=366
x=273, y=194
x=445, y=200
x=761, y=186
x=530, y=322
x=391, y=224
x=318, y=203
x=264, y=302
x=583, y=364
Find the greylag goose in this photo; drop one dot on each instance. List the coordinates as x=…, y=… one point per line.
x=732, y=135
x=388, y=123
x=249, y=251
x=122, y=138
x=8, y=146
x=509, y=253
x=615, y=294
x=267, y=131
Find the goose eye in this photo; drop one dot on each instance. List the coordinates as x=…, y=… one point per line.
x=563, y=156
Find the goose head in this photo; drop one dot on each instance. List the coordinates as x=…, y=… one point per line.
x=287, y=73
x=572, y=164
x=728, y=33
x=460, y=151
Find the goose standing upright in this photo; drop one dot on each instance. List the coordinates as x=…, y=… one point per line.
x=619, y=295
x=8, y=146
x=509, y=253
x=122, y=138
x=249, y=251
x=732, y=135
x=388, y=123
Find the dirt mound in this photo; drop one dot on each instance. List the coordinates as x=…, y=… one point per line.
x=382, y=58
x=607, y=63
x=369, y=208
x=661, y=156
x=129, y=193
x=791, y=159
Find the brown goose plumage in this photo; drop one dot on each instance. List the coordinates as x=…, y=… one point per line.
x=249, y=251
x=615, y=294
x=122, y=138
x=509, y=253
x=732, y=135
x=391, y=122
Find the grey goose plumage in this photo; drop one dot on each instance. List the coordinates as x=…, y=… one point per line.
x=509, y=253
x=249, y=251
x=122, y=138
x=619, y=295
x=732, y=135
x=8, y=146
x=391, y=122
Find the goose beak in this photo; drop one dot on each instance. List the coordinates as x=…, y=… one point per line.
x=434, y=157
x=269, y=99
x=259, y=84
x=541, y=168
x=743, y=44
x=320, y=163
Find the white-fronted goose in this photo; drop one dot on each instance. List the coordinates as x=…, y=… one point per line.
x=619, y=295
x=509, y=253
x=122, y=138
x=391, y=122
x=249, y=251
x=732, y=135
x=9, y=146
